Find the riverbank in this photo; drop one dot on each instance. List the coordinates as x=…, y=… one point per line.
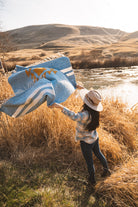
x=80, y=62
x=88, y=63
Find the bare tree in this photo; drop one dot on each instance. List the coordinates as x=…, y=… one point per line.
x=1, y=7
x=6, y=46
x=1, y=64
x=5, y=42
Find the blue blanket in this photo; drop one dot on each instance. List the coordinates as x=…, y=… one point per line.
x=51, y=81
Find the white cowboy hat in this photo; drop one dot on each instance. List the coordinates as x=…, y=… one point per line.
x=92, y=99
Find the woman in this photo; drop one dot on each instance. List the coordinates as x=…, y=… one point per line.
x=87, y=122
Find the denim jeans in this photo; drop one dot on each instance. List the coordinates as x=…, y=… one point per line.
x=87, y=150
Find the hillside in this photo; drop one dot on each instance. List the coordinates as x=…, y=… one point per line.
x=133, y=35
x=90, y=45
x=58, y=35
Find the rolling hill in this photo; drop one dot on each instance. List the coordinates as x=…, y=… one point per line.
x=79, y=43
x=62, y=36
x=133, y=35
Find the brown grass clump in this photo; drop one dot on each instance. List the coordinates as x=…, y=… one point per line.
x=121, y=187
x=6, y=90
x=52, y=129
x=111, y=148
x=43, y=127
x=119, y=123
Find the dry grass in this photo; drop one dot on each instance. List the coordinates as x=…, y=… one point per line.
x=122, y=53
x=6, y=90
x=115, y=121
x=121, y=187
x=48, y=134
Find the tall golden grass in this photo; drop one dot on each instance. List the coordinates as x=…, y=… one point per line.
x=121, y=186
x=45, y=133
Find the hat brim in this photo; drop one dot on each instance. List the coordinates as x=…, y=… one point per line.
x=98, y=107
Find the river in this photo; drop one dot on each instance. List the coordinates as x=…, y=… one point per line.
x=119, y=82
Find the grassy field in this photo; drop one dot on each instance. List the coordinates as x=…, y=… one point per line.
x=41, y=165
x=120, y=54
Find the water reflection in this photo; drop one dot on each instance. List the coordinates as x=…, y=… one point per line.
x=127, y=92
x=120, y=82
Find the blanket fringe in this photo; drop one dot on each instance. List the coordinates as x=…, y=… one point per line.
x=52, y=57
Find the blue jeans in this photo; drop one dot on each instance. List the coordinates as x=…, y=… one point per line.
x=87, y=150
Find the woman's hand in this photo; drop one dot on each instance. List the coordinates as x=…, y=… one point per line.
x=79, y=87
x=52, y=106
x=55, y=105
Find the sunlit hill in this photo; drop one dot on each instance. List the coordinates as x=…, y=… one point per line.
x=86, y=46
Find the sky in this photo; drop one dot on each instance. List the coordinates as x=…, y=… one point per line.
x=116, y=14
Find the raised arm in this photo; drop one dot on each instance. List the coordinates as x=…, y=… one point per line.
x=72, y=115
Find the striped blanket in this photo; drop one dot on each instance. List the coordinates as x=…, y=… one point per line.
x=51, y=81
